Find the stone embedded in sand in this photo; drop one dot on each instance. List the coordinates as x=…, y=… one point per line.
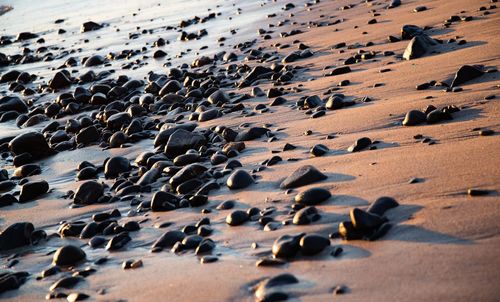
x=334, y=102
x=26, y=36
x=171, y=86
x=209, y=115
x=118, y=241
x=159, y=54
x=306, y=216
x=414, y=117
x=12, y=280
x=31, y=142
x=419, y=9
x=90, y=26
x=312, y=244
x=394, y=3
x=163, y=201
x=16, y=235
x=118, y=120
x=168, y=240
x=410, y=31
x=89, y=231
x=226, y=205
x=68, y=255
x=181, y=141
x=88, y=192
x=302, y=176
x=269, y=262
x=286, y=246
x=269, y=288
x=362, y=220
x=251, y=134
x=7, y=200
x=348, y=232
x=236, y=218
x=436, y=116
x=87, y=135
x=97, y=241
x=381, y=205
x=418, y=46
x=339, y=71
x=312, y=196
x=94, y=60
x=186, y=173
x=239, y=179
x=319, y=150
x=206, y=246
x=27, y=170
x=115, y=166
x=465, y=74
x=66, y=282
x=13, y=103
x=360, y=144
x=60, y=80
x=219, y=96
x=73, y=297
x=32, y=190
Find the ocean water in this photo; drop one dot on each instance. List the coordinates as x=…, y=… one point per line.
x=122, y=19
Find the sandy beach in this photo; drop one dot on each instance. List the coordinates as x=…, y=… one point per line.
x=249, y=150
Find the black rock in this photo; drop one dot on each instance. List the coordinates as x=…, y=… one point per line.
x=334, y=102
x=32, y=190
x=465, y=74
x=90, y=26
x=163, y=201
x=115, y=166
x=118, y=120
x=418, y=47
x=87, y=135
x=13, y=103
x=251, y=134
x=94, y=60
x=88, y=192
x=414, y=117
x=381, y=205
x=7, y=200
x=181, y=141
x=32, y=143
x=89, y=231
x=360, y=144
x=168, y=240
x=306, y=216
x=268, y=289
x=362, y=220
x=60, y=80
x=312, y=244
x=66, y=282
x=219, y=96
x=410, y=31
x=302, y=176
x=118, y=241
x=286, y=246
x=16, y=235
x=237, y=217
x=312, y=196
x=239, y=179
x=319, y=150
x=340, y=70
x=27, y=170
x=68, y=255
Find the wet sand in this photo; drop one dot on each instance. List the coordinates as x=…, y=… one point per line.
x=443, y=242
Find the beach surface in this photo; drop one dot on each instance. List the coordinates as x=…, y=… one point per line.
x=440, y=243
